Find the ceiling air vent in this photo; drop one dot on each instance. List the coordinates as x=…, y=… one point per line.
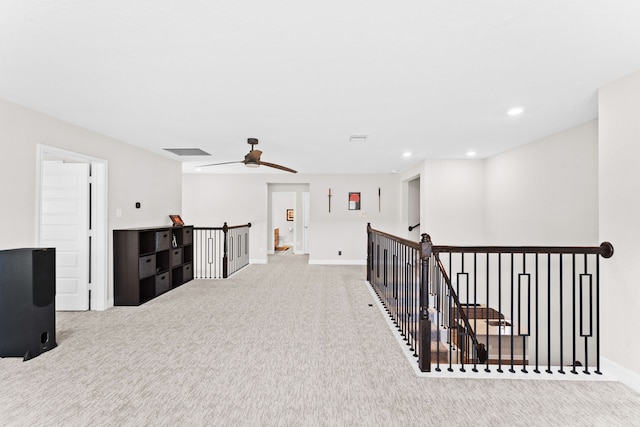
x=187, y=151
x=358, y=138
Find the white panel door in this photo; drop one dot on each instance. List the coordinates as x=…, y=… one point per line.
x=64, y=224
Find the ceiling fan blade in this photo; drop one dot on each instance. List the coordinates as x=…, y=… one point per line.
x=218, y=164
x=282, y=168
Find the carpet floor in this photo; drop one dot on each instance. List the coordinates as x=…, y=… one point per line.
x=281, y=344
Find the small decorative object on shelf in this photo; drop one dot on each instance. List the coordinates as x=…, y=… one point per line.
x=174, y=242
x=177, y=221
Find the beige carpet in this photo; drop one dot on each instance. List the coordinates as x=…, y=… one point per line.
x=287, y=344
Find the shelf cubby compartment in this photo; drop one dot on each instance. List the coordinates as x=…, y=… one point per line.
x=163, y=240
x=162, y=261
x=176, y=257
x=147, y=242
x=187, y=272
x=147, y=289
x=177, y=277
x=163, y=283
x=187, y=254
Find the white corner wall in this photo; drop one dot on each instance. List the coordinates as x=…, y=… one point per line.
x=546, y=192
x=619, y=162
x=452, y=198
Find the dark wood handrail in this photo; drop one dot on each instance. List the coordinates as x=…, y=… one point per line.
x=605, y=249
x=228, y=227
x=410, y=243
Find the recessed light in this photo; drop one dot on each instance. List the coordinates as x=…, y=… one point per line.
x=471, y=153
x=198, y=169
x=406, y=154
x=515, y=111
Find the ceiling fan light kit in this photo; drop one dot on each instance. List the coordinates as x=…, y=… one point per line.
x=252, y=159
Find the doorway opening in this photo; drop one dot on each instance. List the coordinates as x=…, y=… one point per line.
x=71, y=215
x=288, y=218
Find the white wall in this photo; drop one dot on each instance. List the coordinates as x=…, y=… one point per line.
x=542, y=193
x=453, y=201
x=545, y=192
x=134, y=175
x=211, y=199
x=619, y=162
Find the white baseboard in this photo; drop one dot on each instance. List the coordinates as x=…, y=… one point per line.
x=621, y=374
x=338, y=261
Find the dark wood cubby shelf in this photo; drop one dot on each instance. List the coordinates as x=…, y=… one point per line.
x=148, y=262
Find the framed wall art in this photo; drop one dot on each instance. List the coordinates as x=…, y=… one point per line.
x=354, y=201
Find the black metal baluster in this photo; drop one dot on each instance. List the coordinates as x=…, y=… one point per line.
x=573, y=314
x=462, y=329
x=512, y=312
x=528, y=331
x=598, y=315
x=561, y=317
x=537, y=271
x=549, y=314
x=450, y=316
x=487, y=318
x=500, y=313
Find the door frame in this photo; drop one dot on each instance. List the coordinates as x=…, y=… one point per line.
x=306, y=211
x=99, y=217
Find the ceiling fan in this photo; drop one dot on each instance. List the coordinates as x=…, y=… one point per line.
x=252, y=159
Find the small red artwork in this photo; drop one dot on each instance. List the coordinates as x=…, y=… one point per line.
x=354, y=201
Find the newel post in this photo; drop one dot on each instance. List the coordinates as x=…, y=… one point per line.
x=225, y=256
x=424, y=355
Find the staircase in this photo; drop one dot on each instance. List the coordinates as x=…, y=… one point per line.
x=439, y=334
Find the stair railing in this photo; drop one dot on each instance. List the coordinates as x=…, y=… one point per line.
x=220, y=251
x=497, y=305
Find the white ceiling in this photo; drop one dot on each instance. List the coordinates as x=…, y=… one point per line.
x=431, y=77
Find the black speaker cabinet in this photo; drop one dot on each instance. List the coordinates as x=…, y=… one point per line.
x=27, y=302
